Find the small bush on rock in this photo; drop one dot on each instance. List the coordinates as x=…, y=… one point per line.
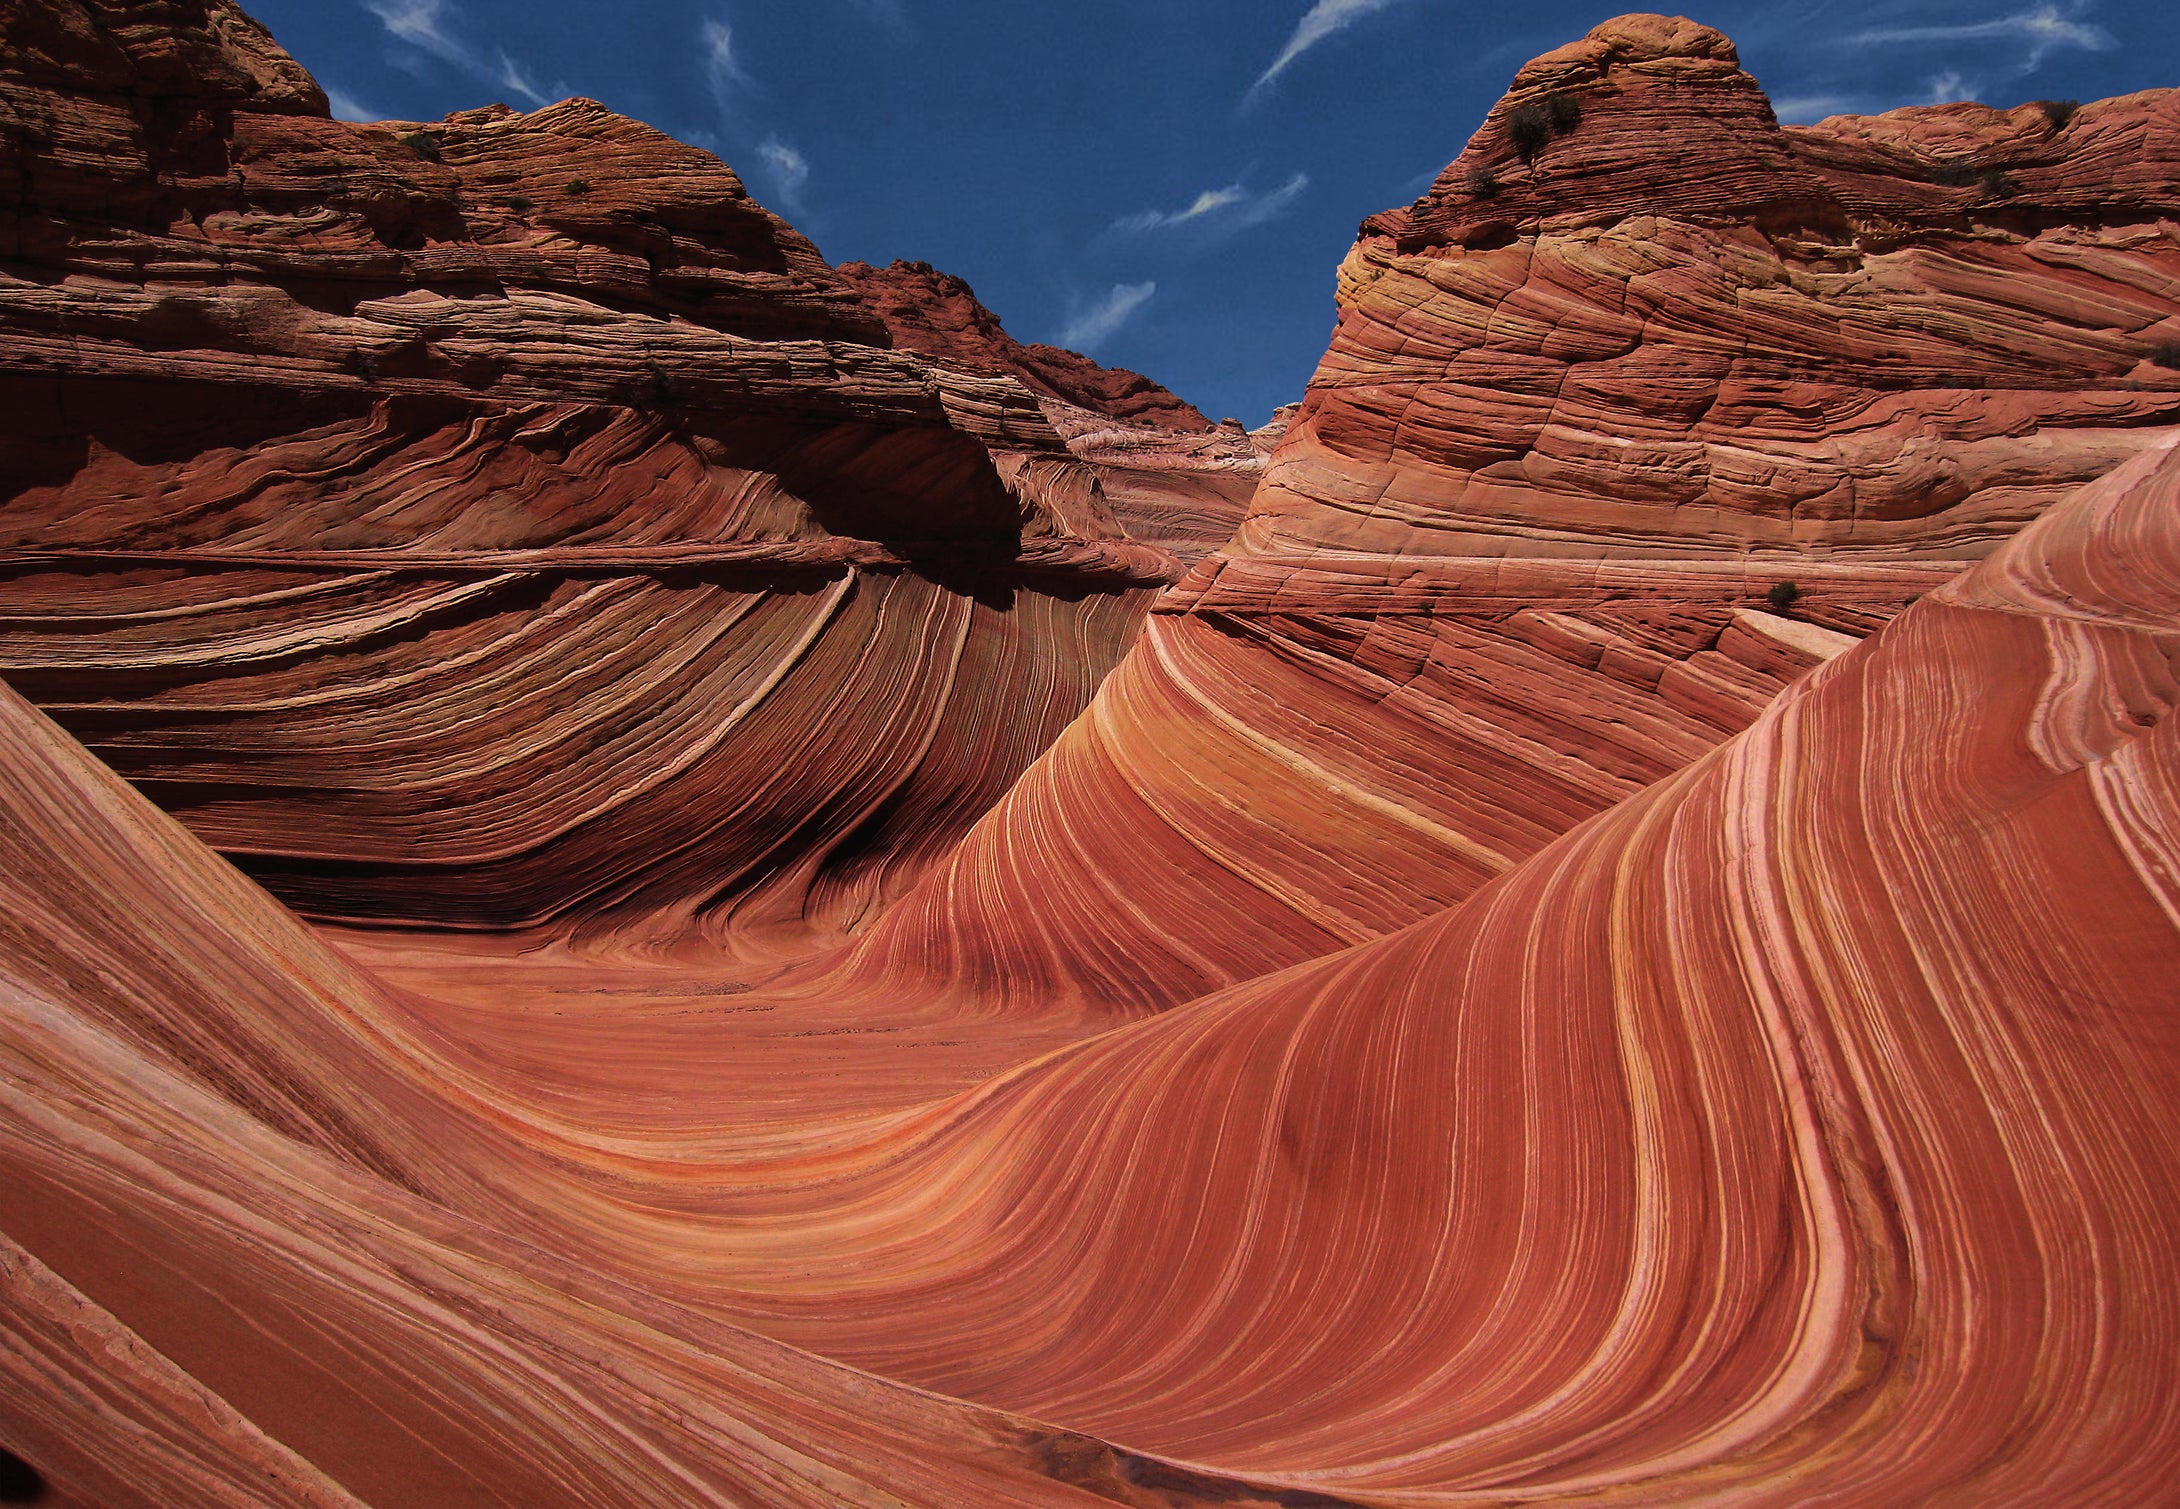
x=1483, y=183
x=2058, y=112
x=2166, y=354
x=1783, y=595
x=425, y=145
x=1528, y=128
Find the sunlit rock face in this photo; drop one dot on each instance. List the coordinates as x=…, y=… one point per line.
x=505, y=520
x=1646, y=389
x=1515, y=990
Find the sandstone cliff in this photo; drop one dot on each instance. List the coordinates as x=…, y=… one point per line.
x=503, y=520
x=1625, y=425
x=1171, y=477
x=1540, y=977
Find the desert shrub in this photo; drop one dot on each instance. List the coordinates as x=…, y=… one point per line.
x=1956, y=175
x=1528, y=128
x=1563, y=112
x=661, y=387
x=521, y=204
x=425, y=145
x=2000, y=184
x=2058, y=112
x=1483, y=183
x=1783, y=595
x=579, y=186
x=2166, y=354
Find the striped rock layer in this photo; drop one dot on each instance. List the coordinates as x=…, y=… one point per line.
x=1495, y=998
x=1798, y=1131
x=1646, y=408
x=506, y=521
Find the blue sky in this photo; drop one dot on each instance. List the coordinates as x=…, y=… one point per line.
x=1167, y=184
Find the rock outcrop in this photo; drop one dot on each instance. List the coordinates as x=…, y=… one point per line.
x=1541, y=976
x=503, y=520
x=1636, y=381
x=1172, y=478
x=938, y=315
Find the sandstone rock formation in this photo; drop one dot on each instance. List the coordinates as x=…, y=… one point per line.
x=503, y=520
x=1583, y=415
x=1172, y=478
x=1541, y=976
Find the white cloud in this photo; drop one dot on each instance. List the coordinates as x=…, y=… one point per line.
x=426, y=25
x=346, y=107
x=719, y=58
x=2044, y=29
x=1947, y=87
x=512, y=77
x=418, y=22
x=1320, y=21
x=790, y=169
x=1807, y=109
x=1095, y=325
x=1230, y=208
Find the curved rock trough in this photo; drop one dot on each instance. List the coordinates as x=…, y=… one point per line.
x=635, y=870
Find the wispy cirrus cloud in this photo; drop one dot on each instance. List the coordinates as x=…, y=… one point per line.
x=1324, y=19
x=2045, y=29
x=790, y=169
x=429, y=26
x=722, y=64
x=1807, y=109
x=1230, y=208
x=422, y=23
x=1100, y=321
x=346, y=107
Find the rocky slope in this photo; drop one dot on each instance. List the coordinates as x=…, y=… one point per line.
x=1560, y=981
x=1171, y=477
x=1605, y=452
x=503, y=520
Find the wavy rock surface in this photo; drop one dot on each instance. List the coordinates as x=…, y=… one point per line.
x=1795, y=1132
x=1516, y=556
x=1495, y=1001
x=505, y=520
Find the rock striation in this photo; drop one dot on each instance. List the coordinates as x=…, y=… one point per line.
x=1600, y=438
x=1172, y=478
x=503, y=521
x=1563, y=981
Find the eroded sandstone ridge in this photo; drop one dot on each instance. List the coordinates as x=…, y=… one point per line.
x=1523, y=986
x=1171, y=476
x=1646, y=408
x=503, y=520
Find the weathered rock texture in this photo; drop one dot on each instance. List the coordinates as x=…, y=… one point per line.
x=1809, y=1110
x=1171, y=477
x=1515, y=558
x=1495, y=1001
x=504, y=520
x=938, y=315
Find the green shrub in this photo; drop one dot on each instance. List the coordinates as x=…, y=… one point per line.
x=2058, y=112
x=521, y=204
x=579, y=186
x=1483, y=183
x=424, y=144
x=2000, y=184
x=1563, y=112
x=2166, y=354
x=1782, y=596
